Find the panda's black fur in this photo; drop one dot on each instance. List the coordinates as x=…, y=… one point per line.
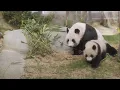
x=111, y=50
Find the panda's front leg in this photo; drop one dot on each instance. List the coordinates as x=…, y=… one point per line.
x=95, y=62
x=76, y=51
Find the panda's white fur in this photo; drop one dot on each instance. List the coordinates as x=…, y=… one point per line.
x=89, y=51
x=71, y=35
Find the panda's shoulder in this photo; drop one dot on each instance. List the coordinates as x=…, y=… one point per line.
x=101, y=43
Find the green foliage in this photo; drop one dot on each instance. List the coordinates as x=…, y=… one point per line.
x=112, y=38
x=43, y=19
x=118, y=30
x=38, y=36
x=14, y=18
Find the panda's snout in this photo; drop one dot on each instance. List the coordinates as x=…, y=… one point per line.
x=89, y=59
x=70, y=45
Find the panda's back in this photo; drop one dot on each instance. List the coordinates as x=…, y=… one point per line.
x=101, y=43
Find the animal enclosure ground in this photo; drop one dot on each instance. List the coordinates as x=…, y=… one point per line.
x=65, y=66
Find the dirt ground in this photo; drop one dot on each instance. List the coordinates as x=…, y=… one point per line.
x=65, y=66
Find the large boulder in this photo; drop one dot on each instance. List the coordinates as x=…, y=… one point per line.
x=14, y=40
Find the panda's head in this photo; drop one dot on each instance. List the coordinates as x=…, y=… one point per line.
x=90, y=51
x=74, y=34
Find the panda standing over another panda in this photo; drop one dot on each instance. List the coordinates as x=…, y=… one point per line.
x=80, y=33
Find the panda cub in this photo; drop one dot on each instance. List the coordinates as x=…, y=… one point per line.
x=94, y=52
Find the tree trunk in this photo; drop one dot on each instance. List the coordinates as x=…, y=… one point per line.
x=79, y=14
x=67, y=14
x=119, y=19
x=104, y=20
x=119, y=36
x=89, y=17
x=119, y=50
x=76, y=15
x=84, y=16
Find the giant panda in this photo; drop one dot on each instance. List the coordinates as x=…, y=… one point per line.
x=94, y=52
x=80, y=33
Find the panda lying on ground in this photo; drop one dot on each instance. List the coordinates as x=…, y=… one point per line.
x=80, y=33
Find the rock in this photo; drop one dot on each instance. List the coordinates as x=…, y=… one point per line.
x=11, y=64
x=58, y=41
x=13, y=40
x=119, y=51
x=13, y=54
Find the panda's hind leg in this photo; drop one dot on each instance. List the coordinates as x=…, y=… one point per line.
x=111, y=50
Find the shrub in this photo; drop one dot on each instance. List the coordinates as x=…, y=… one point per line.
x=38, y=36
x=14, y=18
x=43, y=19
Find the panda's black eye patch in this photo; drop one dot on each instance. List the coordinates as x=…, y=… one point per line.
x=77, y=31
x=94, y=47
x=73, y=40
x=91, y=55
x=67, y=40
x=86, y=55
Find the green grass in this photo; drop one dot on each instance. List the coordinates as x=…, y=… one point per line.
x=109, y=68
x=114, y=39
x=79, y=64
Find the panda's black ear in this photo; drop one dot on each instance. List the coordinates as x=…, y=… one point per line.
x=94, y=47
x=67, y=30
x=77, y=31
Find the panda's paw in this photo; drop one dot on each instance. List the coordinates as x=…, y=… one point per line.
x=94, y=66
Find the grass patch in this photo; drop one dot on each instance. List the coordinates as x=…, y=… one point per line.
x=79, y=64
x=114, y=39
